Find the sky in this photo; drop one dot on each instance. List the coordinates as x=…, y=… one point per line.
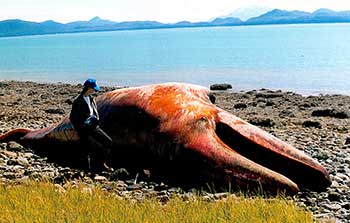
x=167, y=11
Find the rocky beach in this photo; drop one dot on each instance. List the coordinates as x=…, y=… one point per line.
x=318, y=125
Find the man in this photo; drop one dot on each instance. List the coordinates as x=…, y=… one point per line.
x=85, y=119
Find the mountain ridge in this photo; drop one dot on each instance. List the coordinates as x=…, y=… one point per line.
x=246, y=13
x=17, y=27
x=278, y=16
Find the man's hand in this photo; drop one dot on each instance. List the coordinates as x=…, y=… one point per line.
x=91, y=121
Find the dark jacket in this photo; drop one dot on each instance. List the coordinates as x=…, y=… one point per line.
x=80, y=112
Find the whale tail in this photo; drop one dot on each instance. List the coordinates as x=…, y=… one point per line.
x=14, y=135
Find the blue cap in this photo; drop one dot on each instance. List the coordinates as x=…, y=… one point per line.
x=92, y=84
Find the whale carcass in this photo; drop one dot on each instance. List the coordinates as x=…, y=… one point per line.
x=174, y=129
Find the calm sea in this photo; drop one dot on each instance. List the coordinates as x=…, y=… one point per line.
x=308, y=59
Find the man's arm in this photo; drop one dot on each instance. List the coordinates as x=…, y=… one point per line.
x=94, y=107
x=76, y=116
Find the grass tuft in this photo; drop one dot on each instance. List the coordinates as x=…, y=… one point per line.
x=45, y=202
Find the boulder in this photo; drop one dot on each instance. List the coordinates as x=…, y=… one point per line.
x=334, y=113
x=220, y=87
x=240, y=106
x=269, y=95
x=264, y=122
x=310, y=123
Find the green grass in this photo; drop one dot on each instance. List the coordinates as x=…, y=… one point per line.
x=43, y=202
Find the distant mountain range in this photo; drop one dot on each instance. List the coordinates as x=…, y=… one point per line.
x=277, y=16
x=249, y=12
x=16, y=27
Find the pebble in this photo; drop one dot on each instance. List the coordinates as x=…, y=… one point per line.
x=9, y=154
x=22, y=161
x=55, y=111
x=135, y=187
x=14, y=146
x=347, y=141
x=346, y=205
x=333, y=207
x=100, y=178
x=334, y=196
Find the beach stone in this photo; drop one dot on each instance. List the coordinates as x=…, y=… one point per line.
x=212, y=97
x=335, y=113
x=314, y=124
x=22, y=161
x=219, y=196
x=220, y=87
x=100, y=178
x=121, y=185
x=134, y=187
x=270, y=103
x=175, y=190
x=9, y=175
x=55, y=111
x=346, y=205
x=119, y=174
x=163, y=199
x=3, y=85
x=144, y=175
x=60, y=189
x=269, y=95
x=342, y=176
x=253, y=104
x=9, y=154
x=28, y=155
x=161, y=186
x=324, y=216
x=334, y=196
x=264, y=122
x=87, y=190
x=14, y=146
x=341, y=114
x=347, y=141
x=287, y=113
x=333, y=207
x=32, y=92
x=305, y=105
x=3, y=145
x=69, y=101
x=240, y=105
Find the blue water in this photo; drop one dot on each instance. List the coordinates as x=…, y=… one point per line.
x=308, y=59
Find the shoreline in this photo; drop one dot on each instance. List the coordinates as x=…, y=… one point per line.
x=287, y=115
x=168, y=26
x=235, y=89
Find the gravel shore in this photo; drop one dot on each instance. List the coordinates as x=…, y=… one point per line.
x=318, y=125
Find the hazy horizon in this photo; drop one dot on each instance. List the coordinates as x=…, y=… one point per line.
x=136, y=10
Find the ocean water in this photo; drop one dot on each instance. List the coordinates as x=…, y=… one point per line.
x=308, y=59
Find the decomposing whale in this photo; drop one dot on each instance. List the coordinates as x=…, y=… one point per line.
x=174, y=129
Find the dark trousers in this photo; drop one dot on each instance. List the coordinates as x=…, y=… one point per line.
x=98, y=145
